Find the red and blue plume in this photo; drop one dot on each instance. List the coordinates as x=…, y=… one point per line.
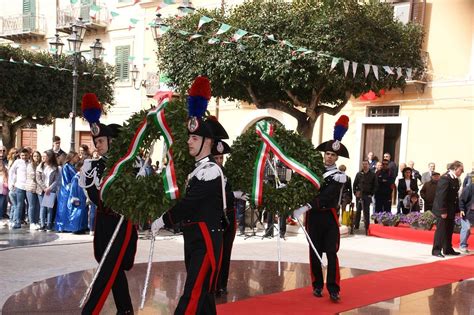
x=340, y=128
x=199, y=95
x=91, y=108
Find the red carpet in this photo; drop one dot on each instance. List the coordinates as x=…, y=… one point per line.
x=405, y=233
x=359, y=291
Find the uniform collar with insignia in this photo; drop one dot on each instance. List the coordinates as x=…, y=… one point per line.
x=202, y=161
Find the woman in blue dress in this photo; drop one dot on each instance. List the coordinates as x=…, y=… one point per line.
x=77, y=205
x=68, y=171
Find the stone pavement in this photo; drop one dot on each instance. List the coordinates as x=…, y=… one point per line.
x=64, y=253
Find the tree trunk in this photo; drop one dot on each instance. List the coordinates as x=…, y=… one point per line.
x=306, y=127
x=8, y=136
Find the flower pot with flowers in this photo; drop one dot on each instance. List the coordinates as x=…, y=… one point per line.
x=386, y=218
x=426, y=220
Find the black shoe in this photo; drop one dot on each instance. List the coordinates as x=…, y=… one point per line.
x=334, y=296
x=128, y=312
x=282, y=236
x=453, y=253
x=318, y=292
x=268, y=234
x=438, y=255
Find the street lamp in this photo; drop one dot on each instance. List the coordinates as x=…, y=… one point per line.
x=156, y=27
x=135, y=72
x=78, y=31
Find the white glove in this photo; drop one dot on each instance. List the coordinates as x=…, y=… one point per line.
x=298, y=212
x=241, y=195
x=281, y=185
x=157, y=225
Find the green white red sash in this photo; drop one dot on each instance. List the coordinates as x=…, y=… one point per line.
x=157, y=116
x=259, y=168
x=265, y=132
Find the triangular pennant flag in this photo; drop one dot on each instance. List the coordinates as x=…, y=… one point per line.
x=114, y=14
x=409, y=72
x=213, y=41
x=164, y=29
x=34, y=47
x=367, y=69
x=301, y=49
x=255, y=36
x=287, y=43
x=354, y=69
x=194, y=36
x=25, y=62
x=334, y=63
x=346, y=67
x=376, y=71
x=203, y=20
x=131, y=58
x=307, y=52
x=95, y=8
x=11, y=60
x=388, y=69
x=399, y=73
x=239, y=34
x=39, y=65
x=145, y=60
x=169, y=2
x=183, y=32
x=73, y=1
x=271, y=37
x=133, y=21
x=240, y=47
x=224, y=28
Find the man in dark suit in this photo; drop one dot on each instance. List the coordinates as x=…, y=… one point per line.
x=445, y=206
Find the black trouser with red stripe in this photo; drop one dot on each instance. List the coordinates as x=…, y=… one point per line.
x=228, y=242
x=323, y=229
x=120, y=258
x=202, y=256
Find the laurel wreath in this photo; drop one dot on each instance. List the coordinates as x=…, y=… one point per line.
x=298, y=191
x=143, y=198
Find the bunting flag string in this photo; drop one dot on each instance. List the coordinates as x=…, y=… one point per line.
x=35, y=64
x=157, y=116
x=265, y=132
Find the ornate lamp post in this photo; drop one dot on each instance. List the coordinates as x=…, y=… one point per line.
x=78, y=31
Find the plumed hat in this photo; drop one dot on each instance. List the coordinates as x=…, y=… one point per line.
x=218, y=131
x=92, y=110
x=199, y=95
x=220, y=147
x=335, y=145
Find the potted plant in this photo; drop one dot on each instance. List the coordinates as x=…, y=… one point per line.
x=426, y=220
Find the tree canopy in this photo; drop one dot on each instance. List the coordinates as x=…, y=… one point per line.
x=32, y=94
x=272, y=74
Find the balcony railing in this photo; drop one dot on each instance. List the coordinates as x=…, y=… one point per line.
x=22, y=26
x=95, y=16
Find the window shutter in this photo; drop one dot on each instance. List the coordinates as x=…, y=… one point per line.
x=418, y=11
x=121, y=62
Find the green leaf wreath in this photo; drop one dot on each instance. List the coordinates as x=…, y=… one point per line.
x=143, y=198
x=298, y=191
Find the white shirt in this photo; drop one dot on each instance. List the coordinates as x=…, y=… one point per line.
x=17, y=174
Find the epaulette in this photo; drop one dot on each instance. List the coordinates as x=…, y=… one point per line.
x=88, y=175
x=340, y=177
x=209, y=171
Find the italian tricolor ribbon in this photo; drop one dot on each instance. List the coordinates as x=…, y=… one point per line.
x=265, y=132
x=156, y=116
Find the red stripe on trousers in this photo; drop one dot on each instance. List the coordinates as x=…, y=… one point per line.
x=210, y=250
x=191, y=309
x=118, y=262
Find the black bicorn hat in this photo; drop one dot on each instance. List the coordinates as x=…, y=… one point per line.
x=110, y=131
x=335, y=145
x=220, y=147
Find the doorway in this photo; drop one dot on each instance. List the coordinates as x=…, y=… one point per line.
x=381, y=138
